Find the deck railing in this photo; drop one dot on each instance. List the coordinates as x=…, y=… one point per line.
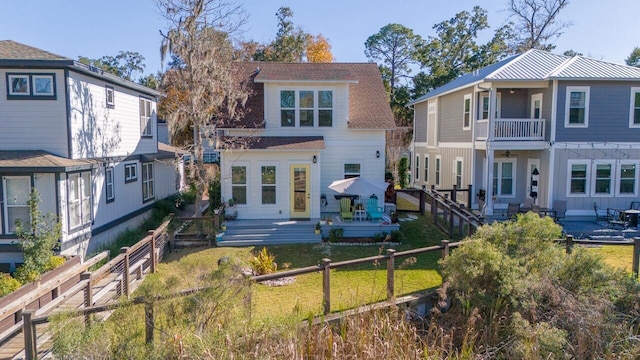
x=512, y=129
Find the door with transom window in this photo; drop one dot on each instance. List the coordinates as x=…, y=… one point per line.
x=299, y=191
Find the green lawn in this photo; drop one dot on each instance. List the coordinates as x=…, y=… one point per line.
x=616, y=255
x=350, y=287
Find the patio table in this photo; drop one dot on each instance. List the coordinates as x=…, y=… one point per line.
x=548, y=212
x=360, y=215
x=633, y=217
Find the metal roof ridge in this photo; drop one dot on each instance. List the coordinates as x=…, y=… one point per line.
x=513, y=61
x=554, y=73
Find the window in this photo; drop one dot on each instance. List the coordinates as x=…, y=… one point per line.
x=108, y=184
x=268, y=185
x=577, y=106
x=147, y=182
x=302, y=109
x=17, y=191
x=110, y=96
x=603, y=179
x=503, y=180
x=130, y=172
x=417, y=169
x=627, y=180
x=466, y=112
x=483, y=113
x=634, y=112
x=351, y=170
x=239, y=184
x=458, y=167
x=145, y=117
x=578, y=172
x=79, y=199
x=426, y=168
x=438, y=161
x=31, y=86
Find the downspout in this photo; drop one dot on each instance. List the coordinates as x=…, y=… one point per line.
x=488, y=159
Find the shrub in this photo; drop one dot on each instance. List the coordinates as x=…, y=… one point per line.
x=396, y=236
x=8, y=284
x=336, y=234
x=215, y=194
x=263, y=263
x=403, y=166
x=54, y=262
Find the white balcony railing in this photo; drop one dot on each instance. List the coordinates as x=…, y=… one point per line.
x=512, y=129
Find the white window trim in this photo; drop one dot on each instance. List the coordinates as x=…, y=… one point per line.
x=275, y=165
x=618, y=177
x=496, y=106
x=245, y=185
x=455, y=171
x=483, y=95
x=594, y=169
x=588, y=185
x=34, y=77
x=148, y=182
x=6, y=205
x=109, y=181
x=467, y=97
x=10, y=88
x=567, y=105
x=316, y=107
x=82, y=184
x=133, y=172
x=146, y=119
x=110, y=101
x=514, y=177
x=634, y=90
x=438, y=173
x=344, y=173
x=417, y=167
x=426, y=169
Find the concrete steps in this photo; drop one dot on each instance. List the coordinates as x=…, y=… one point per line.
x=269, y=232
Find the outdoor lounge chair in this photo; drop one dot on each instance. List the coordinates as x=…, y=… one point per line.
x=601, y=214
x=560, y=208
x=346, y=211
x=374, y=212
x=512, y=210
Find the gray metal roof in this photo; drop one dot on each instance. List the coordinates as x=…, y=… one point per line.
x=538, y=65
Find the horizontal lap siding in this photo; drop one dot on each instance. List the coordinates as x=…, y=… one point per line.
x=34, y=124
x=609, y=107
x=99, y=131
x=420, y=121
x=450, y=109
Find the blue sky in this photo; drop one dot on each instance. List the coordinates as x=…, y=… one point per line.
x=601, y=29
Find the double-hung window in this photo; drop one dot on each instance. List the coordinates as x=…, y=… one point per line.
x=577, y=106
x=108, y=184
x=578, y=178
x=458, y=172
x=466, y=112
x=628, y=172
x=438, y=167
x=417, y=169
x=351, y=170
x=145, y=118
x=306, y=108
x=634, y=111
x=426, y=168
x=79, y=199
x=603, y=178
x=17, y=192
x=148, y=190
x=130, y=172
x=268, y=176
x=110, y=96
x=503, y=178
x=239, y=184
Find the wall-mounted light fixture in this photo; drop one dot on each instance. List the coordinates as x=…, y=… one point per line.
x=315, y=159
x=378, y=154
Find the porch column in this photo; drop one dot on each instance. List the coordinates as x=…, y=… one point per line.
x=488, y=180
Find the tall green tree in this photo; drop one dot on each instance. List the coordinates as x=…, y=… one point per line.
x=125, y=65
x=536, y=23
x=455, y=51
x=206, y=87
x=393, y=48
x=290, y=43
x=634, y=58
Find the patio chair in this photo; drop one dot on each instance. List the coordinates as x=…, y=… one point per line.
x=601, y=214
x=560, y=207
x=512, y=210
x=617, y=219
x=374, y=211
x=346, y=211
x=528, y=205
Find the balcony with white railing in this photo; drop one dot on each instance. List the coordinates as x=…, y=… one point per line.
x=511, y=129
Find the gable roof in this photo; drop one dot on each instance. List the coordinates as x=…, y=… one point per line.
x=368, y=104
x=15, y=54
x=39, y=160
x=538, y=65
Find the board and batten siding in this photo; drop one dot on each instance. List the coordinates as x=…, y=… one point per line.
x=100, y=131
x=34, y=124
x=432, y=123
x=450, y=113
x=609, y=106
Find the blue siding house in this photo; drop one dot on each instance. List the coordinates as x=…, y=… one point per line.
x=534, y=128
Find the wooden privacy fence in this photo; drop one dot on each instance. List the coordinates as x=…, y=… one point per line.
x=452, y=218
x=81, y=288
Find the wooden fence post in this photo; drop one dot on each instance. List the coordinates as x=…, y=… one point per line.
x=390, y=273
x=29, y=331
x=154, y=259
x=125, y=276
x=326, y=285
x=569, y=244
x=88, y=296
x=149, y=322
x=454, y=193
x=636, y=256
x=422, y=199
x=470, y=196
x=445, y=249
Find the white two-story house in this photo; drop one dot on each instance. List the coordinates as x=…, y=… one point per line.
x=86, y=140
x=538, y=127
x=304, y=126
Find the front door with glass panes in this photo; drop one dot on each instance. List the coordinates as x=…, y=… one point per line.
x=300, y=191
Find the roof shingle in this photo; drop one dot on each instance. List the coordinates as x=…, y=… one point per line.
x=12, y=50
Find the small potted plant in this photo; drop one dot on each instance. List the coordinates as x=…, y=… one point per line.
x=329, y=221
x=394, y=217
x=231, y=212
x=317, y=231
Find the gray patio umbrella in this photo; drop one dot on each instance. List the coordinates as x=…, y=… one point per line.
x=359, y=186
